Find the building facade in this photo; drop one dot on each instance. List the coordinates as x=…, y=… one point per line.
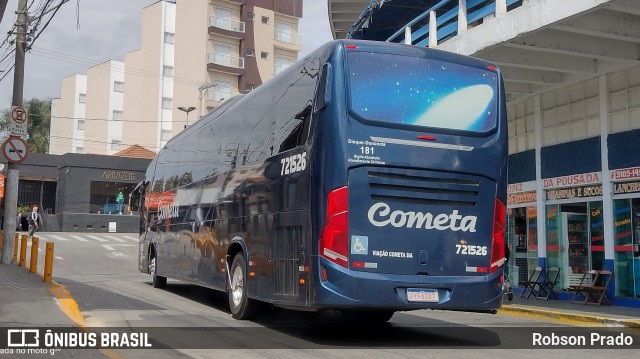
x=193, y=55
x=68, y=116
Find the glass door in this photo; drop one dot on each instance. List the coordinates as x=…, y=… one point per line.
x=576, y=242
x=555, y=257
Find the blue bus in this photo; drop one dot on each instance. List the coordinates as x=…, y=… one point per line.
x=367, y=178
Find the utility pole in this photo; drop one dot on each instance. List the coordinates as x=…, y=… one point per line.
x=13, y=172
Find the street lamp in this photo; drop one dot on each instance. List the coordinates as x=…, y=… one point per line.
x=186, y=110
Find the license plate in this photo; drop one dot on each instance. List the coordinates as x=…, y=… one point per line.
x=422, y=295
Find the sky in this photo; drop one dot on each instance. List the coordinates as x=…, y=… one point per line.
x=105, y=30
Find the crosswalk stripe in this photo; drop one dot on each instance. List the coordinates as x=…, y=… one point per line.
x=60, y=258
x=132, y=239
x=116, y=239
x=79, y=238
x=57, y=237
x=96, y=238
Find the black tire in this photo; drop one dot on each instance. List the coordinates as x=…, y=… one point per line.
x=157, y=280
x=367, y=317
x=242, y=308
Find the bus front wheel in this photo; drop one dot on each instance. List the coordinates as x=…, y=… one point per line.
x=156, y=280
x=241, y=306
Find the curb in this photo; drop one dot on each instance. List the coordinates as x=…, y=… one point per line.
x=575, y=317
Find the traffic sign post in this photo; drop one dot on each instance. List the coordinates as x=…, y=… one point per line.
x=14, y=149
x=19, y=117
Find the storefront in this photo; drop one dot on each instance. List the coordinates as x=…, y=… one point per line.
x=522, y=233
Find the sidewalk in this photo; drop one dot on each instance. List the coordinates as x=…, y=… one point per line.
x=575, y=312
x=25, y=300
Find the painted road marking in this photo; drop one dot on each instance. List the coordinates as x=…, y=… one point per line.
x=79, y=238
x=96, y=238
x=109, y=247
x=58, y=237
x=116, y=239
x=60, y=258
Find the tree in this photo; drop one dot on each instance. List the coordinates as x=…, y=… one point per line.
x=37, y=126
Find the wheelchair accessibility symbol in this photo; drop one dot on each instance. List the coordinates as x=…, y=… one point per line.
x=359, y=245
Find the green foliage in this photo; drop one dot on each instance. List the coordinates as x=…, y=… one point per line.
x=37, y=126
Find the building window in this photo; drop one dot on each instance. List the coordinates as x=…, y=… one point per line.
x=165, y=135
x=222, y=55
x=248, y=87
x=80, y=125
x=118, y=86
x=264, y=55
x=117, y=115
x=82, y=98
x=167, y=103
x=265, y=19
x=250, y=16
x=115, y=144
x=169, y=37
x=79, y=150
x=222, y=90
x=280, y=64
x=250, y=52
x=167, y=71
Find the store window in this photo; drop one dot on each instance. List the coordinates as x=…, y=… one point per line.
x=596, y=235
x=626, y=231
x=104, y=197
x=554, y=255
x=532, y=239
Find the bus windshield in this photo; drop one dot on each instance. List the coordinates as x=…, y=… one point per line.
x=422, y=92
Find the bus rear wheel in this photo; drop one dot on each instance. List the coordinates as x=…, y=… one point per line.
x=156, y=280
x=241, y=306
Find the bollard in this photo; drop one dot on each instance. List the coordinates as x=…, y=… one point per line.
x=48, y=262
x=23, y=250
x=15, y=247
x=33, y=264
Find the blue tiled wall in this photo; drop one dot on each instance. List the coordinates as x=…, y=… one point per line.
x=522, y=167
x=570, y=158
x=624, y=149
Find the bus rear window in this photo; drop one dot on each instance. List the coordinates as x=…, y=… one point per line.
x=422, y=92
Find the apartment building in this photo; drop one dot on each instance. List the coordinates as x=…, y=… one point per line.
x=68, y=116
x=229, y=47
x=193, y=55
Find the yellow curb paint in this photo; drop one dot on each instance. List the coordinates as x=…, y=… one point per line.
x=564, y=317
x=69, y=307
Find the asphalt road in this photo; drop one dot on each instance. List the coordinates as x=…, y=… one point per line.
x=100, y=271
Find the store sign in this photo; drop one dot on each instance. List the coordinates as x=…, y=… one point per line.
x=119, y=175
x=625, y=173
x=573, y=180
x=523, y=197
x=626, y=187
x=574, y=192
x=521, y=187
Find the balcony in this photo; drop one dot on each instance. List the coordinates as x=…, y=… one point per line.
x=225, y=63
x=287, y=40
x=215, y=97
x=226, y=24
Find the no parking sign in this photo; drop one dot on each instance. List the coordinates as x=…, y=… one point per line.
x=14, y=149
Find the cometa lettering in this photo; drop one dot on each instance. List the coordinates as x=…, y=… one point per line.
x=380, y=215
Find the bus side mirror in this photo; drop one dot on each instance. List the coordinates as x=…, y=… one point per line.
x=134, y=201
x=324, y=89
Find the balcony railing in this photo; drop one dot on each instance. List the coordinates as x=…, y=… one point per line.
x=279, y=68
x=219, y=95
x=226, y=24
x=288, y=37
x=225, y=60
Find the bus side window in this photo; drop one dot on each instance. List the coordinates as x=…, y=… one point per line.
x=323, y=95
x=298, y=136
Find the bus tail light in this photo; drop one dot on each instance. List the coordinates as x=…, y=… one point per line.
x=334, y=241
x=497, y=238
